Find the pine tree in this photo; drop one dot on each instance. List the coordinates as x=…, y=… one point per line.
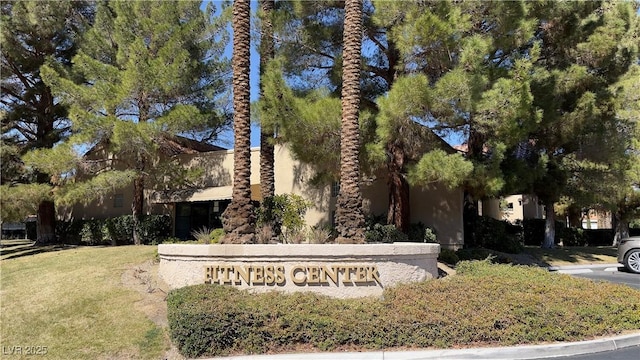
x=626, y=200
x=586, y=48
x=34, y=33
x=469, y=81
x=148, y=71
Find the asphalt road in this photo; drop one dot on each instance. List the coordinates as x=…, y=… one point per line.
x=630, y=353
x=618, y=276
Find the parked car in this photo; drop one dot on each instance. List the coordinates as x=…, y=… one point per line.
x=629, y=253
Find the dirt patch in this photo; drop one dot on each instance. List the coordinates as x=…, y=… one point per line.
x=145, y=280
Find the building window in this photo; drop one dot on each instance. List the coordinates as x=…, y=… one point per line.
x=118, y=200
x=335, y=189
x=510, y=206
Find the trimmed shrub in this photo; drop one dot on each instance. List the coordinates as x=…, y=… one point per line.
x=153, y=230
x=448, y=256
x=377, y=230
x=533, y=234
x=93, y=232
x=496, y=234
x=599, y=237
x=482, y=254
x=215, y=320
x=283, y=213
x=571, y=236
x=69, y=232
x=419, y=232
x=533, y=231
x=384, y=234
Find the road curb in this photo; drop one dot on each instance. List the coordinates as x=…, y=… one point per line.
x=583, y=267
x=511, y=352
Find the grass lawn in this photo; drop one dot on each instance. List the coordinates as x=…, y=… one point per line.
x=578, y=255
x=72, y=301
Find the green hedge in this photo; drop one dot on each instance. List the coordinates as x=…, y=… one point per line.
x=482, y=305
x=153, y=229
x=378, y=231
x=533, y=234
x=495, y=234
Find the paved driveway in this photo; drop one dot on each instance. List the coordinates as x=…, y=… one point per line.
x=612, y=274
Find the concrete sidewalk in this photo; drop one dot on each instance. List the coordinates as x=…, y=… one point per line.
x=511, y=352
x=578, y=269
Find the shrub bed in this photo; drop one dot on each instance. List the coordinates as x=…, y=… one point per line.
x=495, y=234
x=484, y=304
x=153, y=229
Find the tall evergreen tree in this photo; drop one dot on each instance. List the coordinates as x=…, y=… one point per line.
x=149, y=70
x=585, y=48
x=239, y=218
x=313, y=32
x=626, y=204
x=445, y=41
x=34, y=33
x=472, y=85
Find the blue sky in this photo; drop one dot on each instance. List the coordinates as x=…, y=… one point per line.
x=226, y=138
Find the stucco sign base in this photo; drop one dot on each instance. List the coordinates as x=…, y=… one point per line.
x=337, y=270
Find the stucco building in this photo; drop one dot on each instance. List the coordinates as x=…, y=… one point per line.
x=435, y=206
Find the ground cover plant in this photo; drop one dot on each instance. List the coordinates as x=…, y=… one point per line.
x=71, y=300
x=484, y=304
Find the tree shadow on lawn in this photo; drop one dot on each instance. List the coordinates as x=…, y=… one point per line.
x=12, y=249
x=574, y=255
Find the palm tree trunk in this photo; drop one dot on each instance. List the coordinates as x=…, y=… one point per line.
x=267, y=155
x=349, y=216
x=267, y=177
x=238, y=220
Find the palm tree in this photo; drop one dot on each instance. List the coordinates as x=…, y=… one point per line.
x=267, y=158
x=267, y=177
x=349, y=216
x=238, y=220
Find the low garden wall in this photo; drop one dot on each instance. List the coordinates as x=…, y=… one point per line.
x=337, y=270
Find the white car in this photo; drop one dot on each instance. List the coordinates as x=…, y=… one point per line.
x=629, y=253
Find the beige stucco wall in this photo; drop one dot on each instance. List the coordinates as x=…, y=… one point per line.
x=218, y=167
x=524, y=207
x=436, y=206
x=218, y=170
x=517, y=213
x=291, y=177
x=531, y=209
x=491, y=208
